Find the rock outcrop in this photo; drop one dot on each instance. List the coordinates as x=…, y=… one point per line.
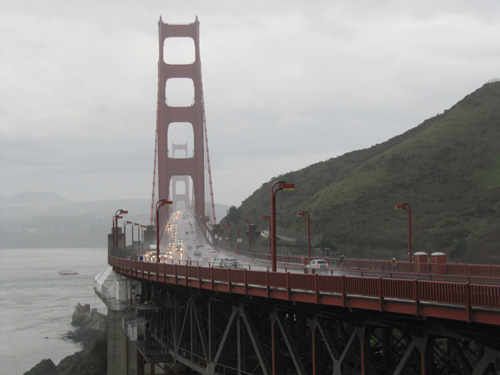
x=44, y=367
x=91, y=333
x=91, y=324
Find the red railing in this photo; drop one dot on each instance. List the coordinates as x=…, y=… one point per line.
x=458, y=301
x=456, y=269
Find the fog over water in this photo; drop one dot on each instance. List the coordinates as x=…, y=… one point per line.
x=38, y=303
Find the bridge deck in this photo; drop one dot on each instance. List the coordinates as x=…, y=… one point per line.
x=464, y=301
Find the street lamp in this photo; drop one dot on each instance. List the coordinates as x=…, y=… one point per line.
x=138, y=235
x=117, y=216
x=225, y=234
x=142, y=242
x=306, y=214
x=268, y=230
x=407, y=208
x=125, y=237
x=282, y=185
x=161, y=202
x=115, y=230
x=249, y=234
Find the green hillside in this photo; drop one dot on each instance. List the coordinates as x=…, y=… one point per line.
x=447, y=169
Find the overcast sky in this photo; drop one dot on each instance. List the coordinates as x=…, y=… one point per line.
x=286, y=84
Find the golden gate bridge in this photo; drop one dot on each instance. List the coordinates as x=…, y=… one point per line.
x=185, y=300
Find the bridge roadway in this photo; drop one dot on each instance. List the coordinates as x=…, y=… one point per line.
x=466, y=307
x=468, y=298
x=182, y=227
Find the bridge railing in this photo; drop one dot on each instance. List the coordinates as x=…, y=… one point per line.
x=458, y=269
x=375, y=265
x=395, y=288
x=318, y=288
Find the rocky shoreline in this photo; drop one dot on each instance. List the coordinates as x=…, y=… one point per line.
x=90, y=332
x=91, y=324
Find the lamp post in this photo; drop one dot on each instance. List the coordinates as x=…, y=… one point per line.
x=225, y=235
x=125, y=237
x=407, y=208
x=282, y=185
x=115, y=230
x=142, y=242
x=268, y=230
x=249, y=234
x=117, y=216
x=161, y=202
x=306, y=214
x=138, y=235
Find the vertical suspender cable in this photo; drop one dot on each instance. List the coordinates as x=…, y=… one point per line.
x=209, y=170
x=151, y=222
x=206, y=146
x=156, y=152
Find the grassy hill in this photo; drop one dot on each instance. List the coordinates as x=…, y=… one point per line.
x=447, y=169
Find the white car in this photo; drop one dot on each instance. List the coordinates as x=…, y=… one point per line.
x=229, y=263
x=318, y=265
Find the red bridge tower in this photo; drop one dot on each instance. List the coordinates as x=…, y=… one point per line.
x=193, y=166
x=177, y=196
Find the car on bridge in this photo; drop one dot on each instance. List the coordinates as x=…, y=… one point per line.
x=318, y=265
x=179, y=247
x=229, y=263
x=210, y=255
x=199, y=251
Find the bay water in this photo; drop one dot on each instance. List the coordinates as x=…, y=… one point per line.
x=37, y=303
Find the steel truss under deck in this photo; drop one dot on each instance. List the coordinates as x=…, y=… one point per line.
x=214, y=333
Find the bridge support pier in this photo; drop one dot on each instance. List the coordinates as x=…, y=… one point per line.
x=122, y=354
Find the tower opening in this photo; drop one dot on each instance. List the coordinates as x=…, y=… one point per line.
x=179, y=92
x=179, y=51
x=181, y=134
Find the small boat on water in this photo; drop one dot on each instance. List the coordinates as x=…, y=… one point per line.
x=68, y=272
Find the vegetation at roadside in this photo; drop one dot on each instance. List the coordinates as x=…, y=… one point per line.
x=447, y=169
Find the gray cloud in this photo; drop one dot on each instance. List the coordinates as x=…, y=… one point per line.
x=286, y=83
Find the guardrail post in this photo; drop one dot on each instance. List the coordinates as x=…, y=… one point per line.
x=380, y=294
x=267, y=282
x=288, y=286
x=212, y=277
x=245, y=281
x=415, y=289
x=342, y=289
x=316, y=287
x=467, y=302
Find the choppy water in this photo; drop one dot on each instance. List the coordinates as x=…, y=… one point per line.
x=36, y=303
